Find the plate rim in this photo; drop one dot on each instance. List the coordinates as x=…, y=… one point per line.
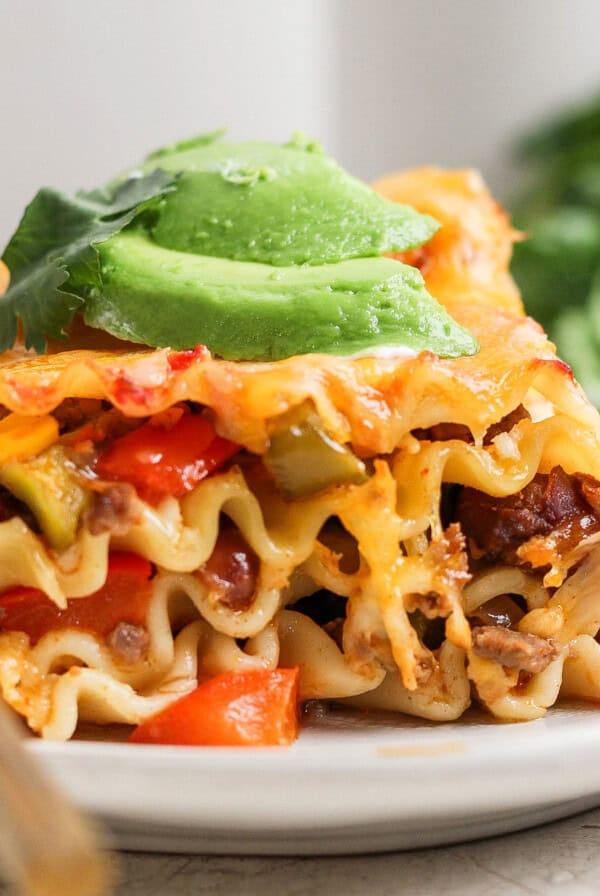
x=396, y=775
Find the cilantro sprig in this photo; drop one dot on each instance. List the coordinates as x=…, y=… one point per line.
x=52, y=256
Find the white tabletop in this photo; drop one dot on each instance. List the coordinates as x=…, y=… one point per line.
x=560, y=859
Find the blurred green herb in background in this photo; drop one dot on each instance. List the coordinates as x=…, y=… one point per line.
x=558, y=266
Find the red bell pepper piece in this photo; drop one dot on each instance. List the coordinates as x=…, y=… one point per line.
x=258, y=708
x=161, y=461
x=123, y=598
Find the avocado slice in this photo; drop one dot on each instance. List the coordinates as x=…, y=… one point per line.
x=51, y=491
x=258, y=251
x=244, y=310
x=279, y=205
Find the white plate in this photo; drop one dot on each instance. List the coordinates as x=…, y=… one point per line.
x=347, y=785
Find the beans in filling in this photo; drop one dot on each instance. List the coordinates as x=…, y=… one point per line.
x=568, y=506
x=231, y=572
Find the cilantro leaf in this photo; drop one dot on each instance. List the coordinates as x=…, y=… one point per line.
x=52, y=256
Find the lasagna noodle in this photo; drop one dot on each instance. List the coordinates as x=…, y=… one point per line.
x=394, y=518
x=181, y=538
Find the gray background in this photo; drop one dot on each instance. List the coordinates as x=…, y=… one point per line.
x=88, y=86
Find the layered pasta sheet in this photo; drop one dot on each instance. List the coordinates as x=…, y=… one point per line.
x=464, y=567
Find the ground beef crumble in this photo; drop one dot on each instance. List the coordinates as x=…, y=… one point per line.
x=515, y=650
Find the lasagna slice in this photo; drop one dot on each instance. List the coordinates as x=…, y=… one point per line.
x=411, y=532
